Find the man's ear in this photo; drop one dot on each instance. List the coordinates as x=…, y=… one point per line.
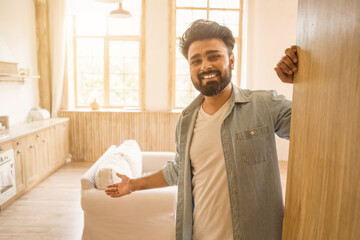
x=232, y=61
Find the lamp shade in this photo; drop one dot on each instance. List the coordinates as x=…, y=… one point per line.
x=120, y=12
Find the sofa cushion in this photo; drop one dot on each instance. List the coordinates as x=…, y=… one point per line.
x=130, y=150
x=106, y=173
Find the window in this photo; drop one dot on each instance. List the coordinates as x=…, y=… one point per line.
x=106, y=53
x=225, y=12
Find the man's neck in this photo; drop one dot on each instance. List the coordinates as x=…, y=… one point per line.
x=212, y=104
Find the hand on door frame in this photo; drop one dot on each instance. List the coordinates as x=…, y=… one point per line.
x=287, y=66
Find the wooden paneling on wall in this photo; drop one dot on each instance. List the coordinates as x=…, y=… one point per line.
x=91, y=133
x=323, y=191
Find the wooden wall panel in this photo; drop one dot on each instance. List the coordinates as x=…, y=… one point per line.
x=323, y=191
x=91, y=133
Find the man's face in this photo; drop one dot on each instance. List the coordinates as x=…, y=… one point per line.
x=210, y=65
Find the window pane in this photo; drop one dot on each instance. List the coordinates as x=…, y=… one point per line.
x=124, y=73
x=131, y=81
x=117, y=97
x=224, y=4
x=90, y=25
x=90, y=70
x=182, y=67
x=227, y=18
x=185, y=17
x=178, y=53
x=89, y=47
x=127, y=26
x=191, y=3
x=183, y=98
x=131, y=98
x=183, y=83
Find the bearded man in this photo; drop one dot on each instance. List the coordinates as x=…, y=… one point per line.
x=226, y=165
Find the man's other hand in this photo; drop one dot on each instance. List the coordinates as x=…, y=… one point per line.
x=287, y=66
x=119, y=189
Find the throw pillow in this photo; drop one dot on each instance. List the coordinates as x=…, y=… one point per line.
x=106, y=172
x=130, y=150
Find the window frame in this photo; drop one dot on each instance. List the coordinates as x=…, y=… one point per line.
x=107, y=39
x=173, y=49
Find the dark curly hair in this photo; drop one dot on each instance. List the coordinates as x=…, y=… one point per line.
x=205, y=29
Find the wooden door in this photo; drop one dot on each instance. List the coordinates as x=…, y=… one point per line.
x=323, y=190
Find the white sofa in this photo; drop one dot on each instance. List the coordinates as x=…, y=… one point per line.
x=147, y=214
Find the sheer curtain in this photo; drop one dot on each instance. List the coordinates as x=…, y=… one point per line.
x=57, y=9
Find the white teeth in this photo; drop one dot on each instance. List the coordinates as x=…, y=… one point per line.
x=209, y=76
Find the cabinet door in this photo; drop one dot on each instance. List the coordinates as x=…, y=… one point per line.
x=43, y=151
x=19, y=154
x=52, y=147
x=31, y=161
x=62, y=143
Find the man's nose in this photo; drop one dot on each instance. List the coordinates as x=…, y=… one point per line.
x=205, y=66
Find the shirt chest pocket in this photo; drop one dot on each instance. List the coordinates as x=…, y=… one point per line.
x=253, y=145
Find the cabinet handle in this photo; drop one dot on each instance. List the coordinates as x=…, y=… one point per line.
x=31, y=146
x=18, y=151
x=1, y=149
x=54, y=127
x=37, y=135
x=18, y=142
x=44, y=140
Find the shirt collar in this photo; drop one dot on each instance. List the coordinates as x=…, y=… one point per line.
x=237, y=96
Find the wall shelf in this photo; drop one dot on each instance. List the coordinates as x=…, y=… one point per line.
x=4, y=77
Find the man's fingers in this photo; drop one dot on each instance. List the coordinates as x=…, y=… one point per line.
x=291, y=54
x=294, y=48
x=111, y=190
x=286, y=60
x=283, y=76
x=119, y=175
x=284, y=67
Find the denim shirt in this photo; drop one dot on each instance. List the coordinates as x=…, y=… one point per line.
x=248, y=140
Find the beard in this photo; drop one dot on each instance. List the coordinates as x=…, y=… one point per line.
x=212, y=88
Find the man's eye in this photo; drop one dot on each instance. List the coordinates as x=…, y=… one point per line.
x=195, y=61
x=213, y=57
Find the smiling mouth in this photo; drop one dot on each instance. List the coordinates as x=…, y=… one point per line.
x=210, y=75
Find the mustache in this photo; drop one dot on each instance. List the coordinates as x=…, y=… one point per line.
x=200, y=75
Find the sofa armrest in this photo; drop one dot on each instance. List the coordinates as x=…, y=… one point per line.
x=154, y=161
x=88, y=179
x=152, y=202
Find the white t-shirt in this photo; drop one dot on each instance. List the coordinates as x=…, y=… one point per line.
x=211, y=216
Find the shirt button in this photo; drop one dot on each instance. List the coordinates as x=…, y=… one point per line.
x=252, y=133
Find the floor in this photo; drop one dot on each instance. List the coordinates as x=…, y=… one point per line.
x=52, y=211
x=49, y=211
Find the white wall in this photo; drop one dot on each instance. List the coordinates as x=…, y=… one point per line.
x=157, y=55
x=17, y=30
x=271, y=29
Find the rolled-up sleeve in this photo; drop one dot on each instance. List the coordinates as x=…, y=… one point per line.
x=171, y=170
x=281, y=112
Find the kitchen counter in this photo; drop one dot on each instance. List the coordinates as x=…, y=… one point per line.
x=22, y=129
